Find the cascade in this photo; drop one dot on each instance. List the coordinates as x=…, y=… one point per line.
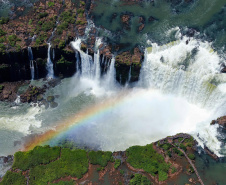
x=32, y=68
x=190, y=73
x=110, y=76
x=129, y=75
x=49, y=65
x=97, y=65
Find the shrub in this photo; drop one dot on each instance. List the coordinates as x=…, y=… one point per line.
x=1, y=87
x=183, y=147
x=162, y=176
x=174, y=170
x=12, y=178
x=50, y=4
x=2, y=32
x=100, y=157
x=139, y=179
x=4, y=20
x=2, y=48
x=39, y=155
x=30, y=22
x=191, y=156
x=72, y=163
x=46, y=26
x=71, y=182
x=146, y=158
x=13, y=39
x=117, y=163
x=42, y=15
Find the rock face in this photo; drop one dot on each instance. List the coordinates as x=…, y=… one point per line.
x=221, y=121
x=128, y=64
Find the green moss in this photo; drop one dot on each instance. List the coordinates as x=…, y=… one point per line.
x=117, y=163
x=139, y=179
x=12, y=178
x=100, y=157
x=146, y=158
x=39, y=155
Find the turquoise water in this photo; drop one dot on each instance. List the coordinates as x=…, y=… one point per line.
x=204, y=15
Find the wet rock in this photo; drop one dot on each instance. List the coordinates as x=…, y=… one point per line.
x=221, y=121
x=45, y=103
x=50, y=98
x=53, y=104
x=223, y=70
x=39, y=97
x=17, y=143
x=125, y=19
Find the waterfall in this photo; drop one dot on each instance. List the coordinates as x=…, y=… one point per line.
x=129, y=75
x=49, y=65
x=89, y=68
x=32, y=68
x=110, y=77
x=77, y=60
x=97, y=65
x=186, y=70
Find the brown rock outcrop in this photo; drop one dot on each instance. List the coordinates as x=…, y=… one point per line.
x=221, y=121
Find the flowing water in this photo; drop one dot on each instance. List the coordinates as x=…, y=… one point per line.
x=180, y=88
x=49, y=64
x=32, y=68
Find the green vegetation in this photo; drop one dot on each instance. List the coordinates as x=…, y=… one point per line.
x=2, y=32
x=4, y=20
x=117, y=163
x=139, y=179
x=2, y=48
x=100, y=157
x=42, y=15
x=178, y=152
x=13, y=39
x=1, y=87
x=146, y=158
x=39, y=155
x=174, y=170
x=50, y=4
x=46, y=26
x=163, y=176
x=100, y=169
x=122, y=172
x=71, y=163
x=12, y=178
x=80, y=22
x=166, y=146
x=82, y=3
x=183, y=147
x=64, y=183
x=66, y=18
x=191, y=156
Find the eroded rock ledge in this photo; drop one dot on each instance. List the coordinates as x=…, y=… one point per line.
x=159, y=162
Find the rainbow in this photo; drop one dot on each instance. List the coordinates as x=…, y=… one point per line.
x=80, y=118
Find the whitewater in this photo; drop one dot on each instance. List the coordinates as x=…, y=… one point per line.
x=180, y=89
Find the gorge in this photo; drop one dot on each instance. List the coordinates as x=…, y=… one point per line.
x=88, y=85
